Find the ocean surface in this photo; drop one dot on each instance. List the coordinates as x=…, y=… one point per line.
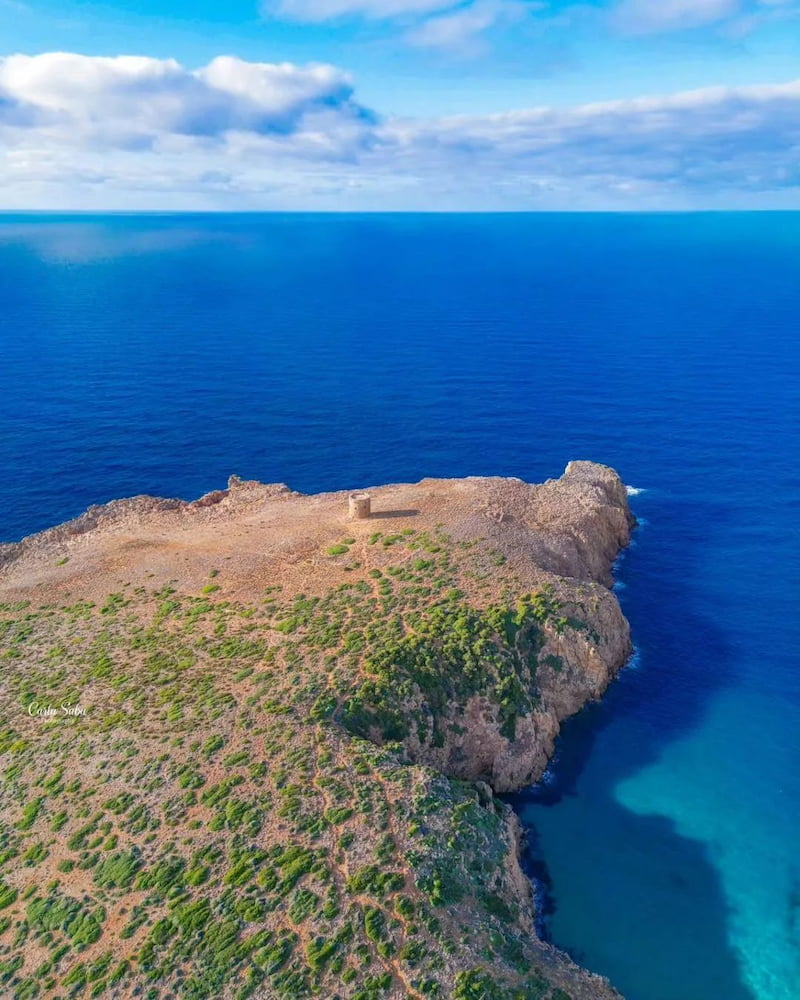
x=160, y=354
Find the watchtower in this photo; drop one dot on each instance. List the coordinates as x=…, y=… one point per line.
x=360, y=506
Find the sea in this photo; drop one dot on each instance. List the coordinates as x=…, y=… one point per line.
x=160, y=353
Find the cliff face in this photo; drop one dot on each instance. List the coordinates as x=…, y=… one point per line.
x=575, y=666
x=564, y=535
x=265, y=792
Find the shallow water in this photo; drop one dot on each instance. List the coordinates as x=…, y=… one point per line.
x=159, y=354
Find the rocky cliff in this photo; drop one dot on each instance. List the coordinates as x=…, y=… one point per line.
x=280, y=781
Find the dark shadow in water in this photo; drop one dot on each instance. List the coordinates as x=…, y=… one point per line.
x=535, y=867
x=685, y=661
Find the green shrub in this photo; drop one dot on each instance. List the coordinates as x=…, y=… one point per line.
x=373, y=880
x=338, y=550
x=8, y=895
x=30, y=814
x=118, y=870
x=475, y=984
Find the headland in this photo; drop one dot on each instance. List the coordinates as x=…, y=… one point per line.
x=251, y=743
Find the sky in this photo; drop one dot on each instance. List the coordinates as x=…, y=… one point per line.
x=477, y=105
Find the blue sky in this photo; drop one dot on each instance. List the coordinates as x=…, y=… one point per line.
x=416, y=94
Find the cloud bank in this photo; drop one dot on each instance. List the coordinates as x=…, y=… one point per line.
x=456, y=24
x=136, y=100
x=90, y=132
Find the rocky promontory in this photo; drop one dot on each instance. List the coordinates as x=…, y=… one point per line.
x=252, y=744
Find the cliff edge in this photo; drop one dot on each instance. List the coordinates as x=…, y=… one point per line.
x=252, y=743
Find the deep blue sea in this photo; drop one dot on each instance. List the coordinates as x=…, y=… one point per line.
x=159, y=354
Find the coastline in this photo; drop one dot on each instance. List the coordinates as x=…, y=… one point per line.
x=504, y=538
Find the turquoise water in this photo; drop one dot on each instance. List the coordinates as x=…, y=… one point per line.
x=673, y=803
x=159, y=354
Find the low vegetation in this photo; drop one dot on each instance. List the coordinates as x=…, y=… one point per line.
x=235, y=815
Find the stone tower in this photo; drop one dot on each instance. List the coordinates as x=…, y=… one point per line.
x=360, y=506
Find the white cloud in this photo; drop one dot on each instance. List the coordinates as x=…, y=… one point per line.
x=132, y=100
x=442, y=24
x=657, y=16
x=326, y=10
x=763, y=12
x=88, y=132
x=459, y=28
x=454, y=23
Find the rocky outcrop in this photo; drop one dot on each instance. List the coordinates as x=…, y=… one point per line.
x=97, y=516
x=564, y=534
x=573, y=528
x=464, y=619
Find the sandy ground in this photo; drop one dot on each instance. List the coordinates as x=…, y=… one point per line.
x=257, y=535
